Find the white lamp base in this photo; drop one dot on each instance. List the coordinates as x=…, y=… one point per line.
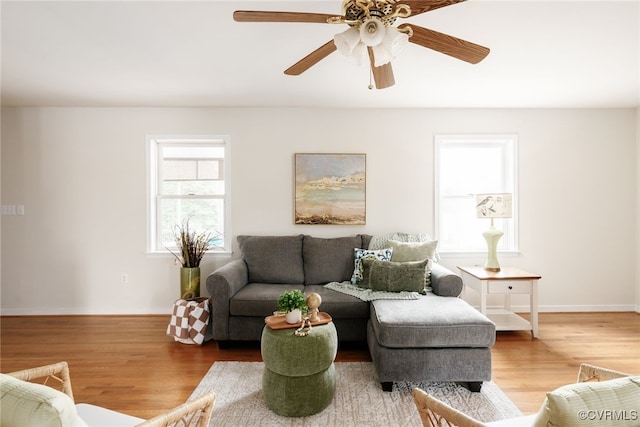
x=492, y=236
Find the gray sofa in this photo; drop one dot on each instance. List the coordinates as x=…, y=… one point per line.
x=436, y=337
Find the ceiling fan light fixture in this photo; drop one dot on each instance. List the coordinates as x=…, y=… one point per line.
x=347, y=41
x=372, y=32
x=395, y=41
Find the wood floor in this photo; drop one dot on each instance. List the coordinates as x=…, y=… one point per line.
x=128, y=364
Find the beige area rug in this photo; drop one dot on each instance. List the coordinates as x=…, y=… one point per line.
x=358, y=401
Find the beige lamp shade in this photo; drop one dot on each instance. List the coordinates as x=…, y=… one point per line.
x=494, y=205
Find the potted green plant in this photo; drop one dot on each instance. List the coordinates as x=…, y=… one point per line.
x=191, y=248
x=293, y=304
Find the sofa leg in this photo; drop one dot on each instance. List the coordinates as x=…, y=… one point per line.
x=475, y=386
x=387, y=386
x=224, y=344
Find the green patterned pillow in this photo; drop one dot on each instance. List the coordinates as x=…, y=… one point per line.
x=381, y=254
x=392, y=276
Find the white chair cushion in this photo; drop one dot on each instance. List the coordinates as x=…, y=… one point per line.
x=96, y=416
x=613, y=403
x=23, y=403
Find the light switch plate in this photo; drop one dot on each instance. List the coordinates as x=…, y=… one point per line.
x=8, y=209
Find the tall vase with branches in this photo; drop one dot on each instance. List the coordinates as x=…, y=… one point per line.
x=191, y=248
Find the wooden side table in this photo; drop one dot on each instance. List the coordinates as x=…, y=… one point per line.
x=507, y=281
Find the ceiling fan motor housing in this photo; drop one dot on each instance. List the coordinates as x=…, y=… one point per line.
x=360, y=11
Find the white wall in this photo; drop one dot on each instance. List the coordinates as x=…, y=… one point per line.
x=637, y=260
x=80, y=173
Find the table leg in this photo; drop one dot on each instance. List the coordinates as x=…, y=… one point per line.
x=483, y=297
x=534, y=308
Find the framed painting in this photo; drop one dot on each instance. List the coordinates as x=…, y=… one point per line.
x=330, y=189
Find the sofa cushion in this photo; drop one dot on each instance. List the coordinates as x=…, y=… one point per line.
x=339, y=305
x=394, y=276
x=381, y=254
x=273, y=259
x=430, y=321
x=366, y=239
x=614, y=403
x=259, y=299
x=30, y=404
x=328, y=260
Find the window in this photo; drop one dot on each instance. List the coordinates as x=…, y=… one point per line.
x=466, y=165
x=188, y=181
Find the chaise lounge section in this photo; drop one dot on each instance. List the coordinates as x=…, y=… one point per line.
x=436, y=337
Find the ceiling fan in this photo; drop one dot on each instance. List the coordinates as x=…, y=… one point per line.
x=371, y=32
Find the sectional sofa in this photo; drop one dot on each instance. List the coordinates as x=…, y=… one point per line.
x=432, y=335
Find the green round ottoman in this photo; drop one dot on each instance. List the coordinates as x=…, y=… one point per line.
x=299, y=378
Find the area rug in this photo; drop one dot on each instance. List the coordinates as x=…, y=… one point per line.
x=358, y=401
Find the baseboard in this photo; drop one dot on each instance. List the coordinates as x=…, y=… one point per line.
x=76, y=312
x=571, y=308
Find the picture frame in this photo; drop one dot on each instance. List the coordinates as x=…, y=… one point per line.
x=330, y=188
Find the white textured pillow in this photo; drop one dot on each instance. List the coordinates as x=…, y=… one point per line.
x=28, y=404
x=613, y=403
x=412, y=251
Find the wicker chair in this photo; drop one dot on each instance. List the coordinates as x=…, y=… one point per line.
x=195, y=413
x=435, y=413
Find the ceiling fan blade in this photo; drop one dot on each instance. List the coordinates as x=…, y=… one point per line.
x=312, y=59
x=449, y=45
x=422, y=6
x=265, y=16
x=382, y=75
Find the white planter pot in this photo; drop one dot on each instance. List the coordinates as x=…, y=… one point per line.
x=294, y=316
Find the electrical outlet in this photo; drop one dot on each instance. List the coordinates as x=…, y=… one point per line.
x=124, y=278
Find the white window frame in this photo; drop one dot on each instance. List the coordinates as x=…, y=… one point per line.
x=153, y=142
x=510, y=240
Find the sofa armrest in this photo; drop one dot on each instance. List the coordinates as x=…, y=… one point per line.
x=223, y=284
x=445, y=282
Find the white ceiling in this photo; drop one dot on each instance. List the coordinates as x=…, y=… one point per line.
x=544, y=54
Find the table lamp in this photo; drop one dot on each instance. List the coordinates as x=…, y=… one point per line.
x=493, y=206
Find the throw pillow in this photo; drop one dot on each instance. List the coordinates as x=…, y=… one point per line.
x=30, y=404
x=359, y=254
x=412, y=251
x=380, y=241
x=392, y=276
x=613, y=403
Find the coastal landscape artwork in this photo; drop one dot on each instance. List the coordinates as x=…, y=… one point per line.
x=330, y=189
